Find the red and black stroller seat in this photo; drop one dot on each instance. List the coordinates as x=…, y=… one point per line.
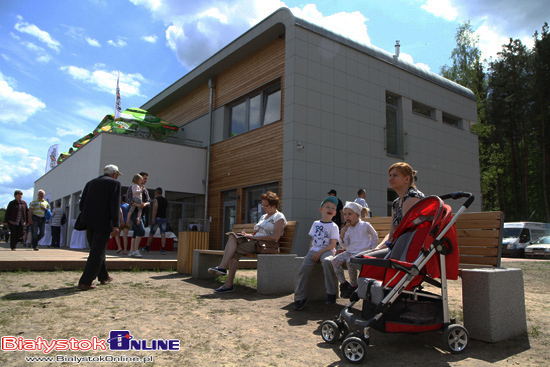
x=412, y=257
x=413, y=237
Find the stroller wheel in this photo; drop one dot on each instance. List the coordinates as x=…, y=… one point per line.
x=354, y=349
x=330, y=331
x=455, y=338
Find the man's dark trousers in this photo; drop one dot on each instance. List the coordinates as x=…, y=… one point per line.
x=95, y=265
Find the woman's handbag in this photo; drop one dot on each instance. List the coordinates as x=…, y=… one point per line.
x=267, y=247
x=48, y=214
x=78, y=225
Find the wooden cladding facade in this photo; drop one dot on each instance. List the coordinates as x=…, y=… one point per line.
x=249, y=159
x=260, y=68
x=252, y=158
x=188, y=108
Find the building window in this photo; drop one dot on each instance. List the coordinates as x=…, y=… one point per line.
x=452, y=120
x=394, y=133
x=254, y=201
x=255, y=110
x=423, y=110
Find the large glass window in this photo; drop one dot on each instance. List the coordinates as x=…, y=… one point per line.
x=255, y=110
x=394, y=136
x=254, y=201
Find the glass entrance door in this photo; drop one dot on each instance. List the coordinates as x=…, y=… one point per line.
x=229, y=213
x=229, y=218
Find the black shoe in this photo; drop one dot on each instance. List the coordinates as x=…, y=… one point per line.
x=344, y=289
x=145, y=249
x=224, y=289
x=348, y=291
x=331, y=299
x=298, y=305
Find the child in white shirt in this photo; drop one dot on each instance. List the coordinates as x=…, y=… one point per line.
x=356, y=236
x=137, y=190
x=324, y=236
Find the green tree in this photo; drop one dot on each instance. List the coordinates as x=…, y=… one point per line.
x=542, y=114
x=467, y=70
x=509, y=106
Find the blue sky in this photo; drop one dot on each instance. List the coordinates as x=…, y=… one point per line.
x=59, y=58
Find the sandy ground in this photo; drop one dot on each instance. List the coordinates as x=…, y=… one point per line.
x=240, y=328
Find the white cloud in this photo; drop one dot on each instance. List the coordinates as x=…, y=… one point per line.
x=151, y=4
x=408, y=58
x=150, y=39
x=349, y=25
x=18, y=171
x=105, y=81
x=92, y=42
x=442, y=9
x=16, y=107
x=495, y=21
x=91, y=112
x=66, y=132
x=42, y=55
x=118, y=43
x=33, y=30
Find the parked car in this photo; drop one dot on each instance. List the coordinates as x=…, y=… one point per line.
x=518, y=235
x=539, y=248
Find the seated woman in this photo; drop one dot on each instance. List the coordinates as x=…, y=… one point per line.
x=270, y=228
x=401, y=180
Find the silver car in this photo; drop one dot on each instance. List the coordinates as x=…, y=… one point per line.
x=539, y=248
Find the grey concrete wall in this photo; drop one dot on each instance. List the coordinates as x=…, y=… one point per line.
x=335, y=107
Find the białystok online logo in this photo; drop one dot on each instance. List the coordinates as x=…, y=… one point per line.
x=120, y=340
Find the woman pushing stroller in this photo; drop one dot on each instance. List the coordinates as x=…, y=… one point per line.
x=401, y=180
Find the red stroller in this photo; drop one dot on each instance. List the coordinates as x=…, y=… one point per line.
x=391, y=288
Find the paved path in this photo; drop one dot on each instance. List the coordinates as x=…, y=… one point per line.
x=24, y=258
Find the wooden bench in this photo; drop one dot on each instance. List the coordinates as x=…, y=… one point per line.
x=493, y=300
x=479, y=237
x=204, y=259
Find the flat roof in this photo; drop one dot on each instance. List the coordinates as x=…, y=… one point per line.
x=268, y=30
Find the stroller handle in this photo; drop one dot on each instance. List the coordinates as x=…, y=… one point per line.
x=458, y=195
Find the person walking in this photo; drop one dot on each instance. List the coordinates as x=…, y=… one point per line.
x=16, y=218
x=100, y=212
x=37, y=212
x=159, y=220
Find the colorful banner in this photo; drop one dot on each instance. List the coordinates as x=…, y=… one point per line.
x=51, y=159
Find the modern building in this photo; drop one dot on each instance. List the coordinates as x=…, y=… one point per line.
x=293, y=108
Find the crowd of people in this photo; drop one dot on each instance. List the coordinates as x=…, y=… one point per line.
x=342, y=232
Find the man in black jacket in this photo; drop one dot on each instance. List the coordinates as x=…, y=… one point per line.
x=100, y=211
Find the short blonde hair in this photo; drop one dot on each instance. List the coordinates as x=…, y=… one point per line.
x=406, y=170
x=136, y=178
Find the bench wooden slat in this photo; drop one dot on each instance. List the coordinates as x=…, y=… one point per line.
x=477, y=224
x=478, y=236
x=477, y=242
x=479, y=251
x=476, y=233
